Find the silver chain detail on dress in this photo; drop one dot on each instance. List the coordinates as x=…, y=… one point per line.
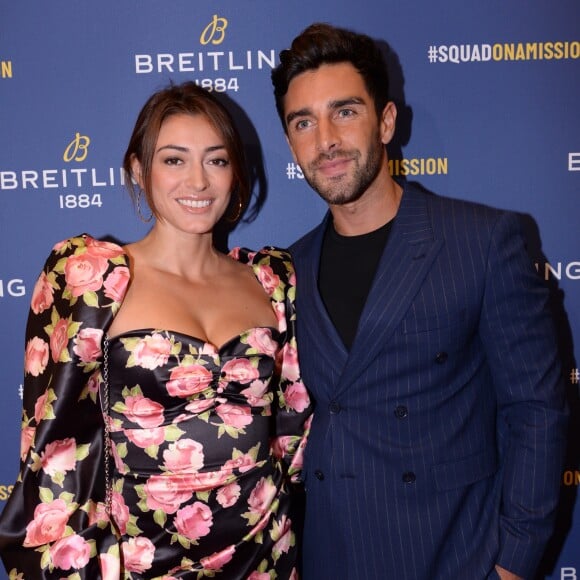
x=105, y=402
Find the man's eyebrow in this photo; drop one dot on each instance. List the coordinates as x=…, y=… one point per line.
x=344, y=102
x=300, y=113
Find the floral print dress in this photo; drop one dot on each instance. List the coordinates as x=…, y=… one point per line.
x=205, y=440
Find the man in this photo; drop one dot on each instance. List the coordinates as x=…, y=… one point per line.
x=439, y=431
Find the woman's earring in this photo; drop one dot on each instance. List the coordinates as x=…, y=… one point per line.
x=139, y=213
x=233, y=219
x=141, y=216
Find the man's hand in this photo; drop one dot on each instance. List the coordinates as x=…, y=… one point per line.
x=506, y=574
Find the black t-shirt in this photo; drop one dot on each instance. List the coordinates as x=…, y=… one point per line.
x=347, y=268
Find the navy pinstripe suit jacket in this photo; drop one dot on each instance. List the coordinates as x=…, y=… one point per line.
x=437, y=443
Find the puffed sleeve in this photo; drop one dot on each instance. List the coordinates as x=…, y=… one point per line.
x=294, y=408
x=54, y=523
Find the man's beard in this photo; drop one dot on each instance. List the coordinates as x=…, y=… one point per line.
x=342, y=190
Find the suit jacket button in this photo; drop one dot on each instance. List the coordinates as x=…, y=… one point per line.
x=334, y=408
x=401, y=412
x=319, y=475
x=409, y=477
x=441, y=357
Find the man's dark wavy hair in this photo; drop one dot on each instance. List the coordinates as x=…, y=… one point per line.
x=322, y=43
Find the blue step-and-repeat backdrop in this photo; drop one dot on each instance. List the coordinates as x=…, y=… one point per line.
x=488, y=96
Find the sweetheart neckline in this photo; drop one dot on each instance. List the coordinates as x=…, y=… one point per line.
x=128, y=333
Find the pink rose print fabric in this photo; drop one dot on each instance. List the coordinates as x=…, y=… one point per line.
x=207, y=441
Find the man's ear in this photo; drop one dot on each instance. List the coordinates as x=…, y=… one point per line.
x=388, y=122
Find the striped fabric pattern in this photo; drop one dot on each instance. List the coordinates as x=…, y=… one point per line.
x=438, y=440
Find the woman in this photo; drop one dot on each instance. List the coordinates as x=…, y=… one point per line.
x=164, y=415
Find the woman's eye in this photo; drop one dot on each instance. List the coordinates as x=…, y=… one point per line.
x=172, y=161
x=220, y=162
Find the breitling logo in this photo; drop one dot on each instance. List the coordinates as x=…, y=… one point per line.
x=77, y=149
x=215, y=31
x=207, y=61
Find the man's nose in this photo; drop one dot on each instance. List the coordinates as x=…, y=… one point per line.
x=328, y=136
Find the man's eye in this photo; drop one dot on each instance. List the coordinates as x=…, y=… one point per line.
x=302, y=124
x=345, y=113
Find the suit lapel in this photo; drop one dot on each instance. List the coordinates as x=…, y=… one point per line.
x=316, y=332
x=408, y=256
